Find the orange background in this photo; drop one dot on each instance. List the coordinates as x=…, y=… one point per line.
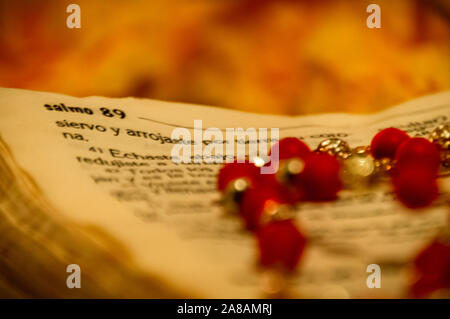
x=288, y=57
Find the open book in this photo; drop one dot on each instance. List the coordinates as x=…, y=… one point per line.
x=89, y=181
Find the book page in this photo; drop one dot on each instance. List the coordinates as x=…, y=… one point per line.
x=107, y=162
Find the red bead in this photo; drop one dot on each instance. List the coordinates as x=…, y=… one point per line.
x=386, y=142
x=232, y=171
x=415, y=186
x=291, y=192
x=290, y=147
x=320, y=178
x=420, y=151
x=280, y=245
x=433, y=269
x=255, y=202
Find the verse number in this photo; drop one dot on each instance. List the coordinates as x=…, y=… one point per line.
x=111, y=113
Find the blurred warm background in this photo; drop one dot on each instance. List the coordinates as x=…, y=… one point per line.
x=290, y=57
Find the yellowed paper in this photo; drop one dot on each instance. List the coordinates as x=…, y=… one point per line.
x=116, y=174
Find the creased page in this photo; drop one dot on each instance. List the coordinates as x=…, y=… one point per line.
x=107, y=162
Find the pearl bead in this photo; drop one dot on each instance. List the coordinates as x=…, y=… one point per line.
x=359, y=169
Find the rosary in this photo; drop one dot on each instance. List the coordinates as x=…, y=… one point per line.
x=265, y=202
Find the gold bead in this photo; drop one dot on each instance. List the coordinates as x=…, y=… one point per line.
x=288, y=169
x=383, y=166
x=446, y=159
x=233, y=194
x=335, y=147
x=441, y=136
x=274, y=211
